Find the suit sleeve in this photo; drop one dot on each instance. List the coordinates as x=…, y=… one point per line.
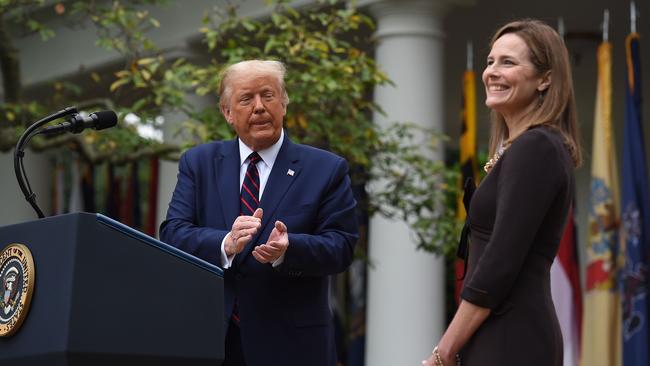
x=528, y=182
x=181, y=228
x=329, y=248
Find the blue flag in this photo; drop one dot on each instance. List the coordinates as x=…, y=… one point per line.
x=635, y=228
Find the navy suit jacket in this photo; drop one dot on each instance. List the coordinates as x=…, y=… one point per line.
x=284, y=311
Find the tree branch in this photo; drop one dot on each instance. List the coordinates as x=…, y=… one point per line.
x=87, y=152
x=165, y=151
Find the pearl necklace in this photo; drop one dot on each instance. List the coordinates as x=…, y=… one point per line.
x=497, y=155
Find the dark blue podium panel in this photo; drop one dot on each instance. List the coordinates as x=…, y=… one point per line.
x=106, y=294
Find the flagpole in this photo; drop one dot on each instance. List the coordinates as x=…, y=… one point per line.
x=632, y=17
x=470, y=56
x=560, y=27
x=606, y=26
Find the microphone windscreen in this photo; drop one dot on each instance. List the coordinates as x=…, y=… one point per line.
x=105, y=119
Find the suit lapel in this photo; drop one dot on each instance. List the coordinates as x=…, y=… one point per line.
x=285, y=171
x=227, y=177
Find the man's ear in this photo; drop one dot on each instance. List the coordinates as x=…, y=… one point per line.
x=545, y=82
x=226, y=113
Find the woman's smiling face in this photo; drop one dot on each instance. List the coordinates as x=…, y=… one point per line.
x=512, y=82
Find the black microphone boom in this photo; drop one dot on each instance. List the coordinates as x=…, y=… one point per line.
x=77, y=123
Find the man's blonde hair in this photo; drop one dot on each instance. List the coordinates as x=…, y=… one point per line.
x=271, y=68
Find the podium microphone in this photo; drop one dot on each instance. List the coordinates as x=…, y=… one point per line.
x=77, y=123
x=74, y=123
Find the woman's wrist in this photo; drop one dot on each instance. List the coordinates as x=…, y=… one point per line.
x=443, y=357
x=437, y=359
x=445, y=352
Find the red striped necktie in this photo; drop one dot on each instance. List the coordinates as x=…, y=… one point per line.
x=249, y=198
x=249, y=201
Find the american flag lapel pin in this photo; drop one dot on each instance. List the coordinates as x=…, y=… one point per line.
x=290, y=172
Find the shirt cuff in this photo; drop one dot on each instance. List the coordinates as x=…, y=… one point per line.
x=278, y=261
x=226, y=261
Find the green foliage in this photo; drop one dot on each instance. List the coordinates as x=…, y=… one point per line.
x=19, y=13
x=12, y=115
x=121, y=25
x=412, y=186
x=329, y=78
x=16, y=112
x=330, y=82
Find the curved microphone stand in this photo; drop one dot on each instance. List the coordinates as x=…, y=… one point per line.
x=19, y=153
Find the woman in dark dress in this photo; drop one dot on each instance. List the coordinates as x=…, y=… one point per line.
x=517, y=214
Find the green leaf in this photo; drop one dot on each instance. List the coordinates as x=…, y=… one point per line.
x=248, y=25
x=117, y=84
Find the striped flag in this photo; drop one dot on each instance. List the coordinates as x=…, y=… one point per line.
x=635, y=228
x=58, y=188
x=567, y=293
x=113, y=191
x=468, y=165
x=75, y=200
x=602, y=312
x=130, y=209
x=88, y=187
x=468, y=134
x=150, y=223
x=135, y=195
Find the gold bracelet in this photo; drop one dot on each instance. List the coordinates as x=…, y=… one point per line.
x=438, y=360
x=436, y=357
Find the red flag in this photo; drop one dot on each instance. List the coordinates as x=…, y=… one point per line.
x=150, y=229
x=567, y=293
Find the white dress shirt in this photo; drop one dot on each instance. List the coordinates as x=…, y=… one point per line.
x=264, y=167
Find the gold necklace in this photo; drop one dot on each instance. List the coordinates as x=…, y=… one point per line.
x=497, y=155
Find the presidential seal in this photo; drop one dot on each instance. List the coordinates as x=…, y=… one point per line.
x=17, y=275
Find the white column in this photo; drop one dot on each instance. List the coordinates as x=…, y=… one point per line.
x=406, y=295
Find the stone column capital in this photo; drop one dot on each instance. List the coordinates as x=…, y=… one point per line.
x=411, y=17
x=426, y=7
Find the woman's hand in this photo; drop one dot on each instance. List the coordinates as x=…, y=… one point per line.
x=447, y=359
x=431, y=361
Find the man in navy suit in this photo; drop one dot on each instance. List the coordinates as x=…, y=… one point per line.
x=278, y=217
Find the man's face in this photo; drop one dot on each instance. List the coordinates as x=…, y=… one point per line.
x=256, y=109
